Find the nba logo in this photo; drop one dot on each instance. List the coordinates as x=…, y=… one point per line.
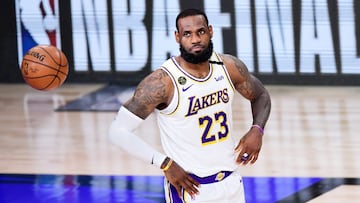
x=37, y=23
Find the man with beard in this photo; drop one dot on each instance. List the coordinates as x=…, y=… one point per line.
x=192, y=96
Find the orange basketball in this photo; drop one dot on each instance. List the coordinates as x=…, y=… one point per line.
x=44, y=67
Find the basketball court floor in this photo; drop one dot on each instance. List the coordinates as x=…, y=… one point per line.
x=54, y=147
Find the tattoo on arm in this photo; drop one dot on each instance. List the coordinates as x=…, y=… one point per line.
x=245, y=85
x=251, y=88
x=151, y=92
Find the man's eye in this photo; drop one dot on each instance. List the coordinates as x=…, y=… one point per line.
x=202, y=32
x=187, y=34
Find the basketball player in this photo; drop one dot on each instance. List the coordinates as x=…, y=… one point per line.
x=192, y=96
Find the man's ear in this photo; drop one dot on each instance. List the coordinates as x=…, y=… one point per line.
x=177, y=37
x=211, y=30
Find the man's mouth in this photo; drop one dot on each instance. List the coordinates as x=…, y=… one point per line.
x=197, y=48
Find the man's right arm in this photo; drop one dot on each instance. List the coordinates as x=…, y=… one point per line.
x=150, y=93
x=155, y=91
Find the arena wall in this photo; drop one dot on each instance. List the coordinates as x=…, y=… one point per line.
x=282, y=42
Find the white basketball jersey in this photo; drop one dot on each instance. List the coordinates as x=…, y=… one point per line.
x=196, y=128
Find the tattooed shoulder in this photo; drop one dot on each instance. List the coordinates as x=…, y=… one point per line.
x=152, y=91
x=240, y=75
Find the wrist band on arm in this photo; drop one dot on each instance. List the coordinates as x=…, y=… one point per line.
x=167, y=165
x=259, y=127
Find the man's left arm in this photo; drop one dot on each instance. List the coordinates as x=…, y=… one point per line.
x=251, y=88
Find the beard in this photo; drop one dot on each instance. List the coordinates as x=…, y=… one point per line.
x=197, y=58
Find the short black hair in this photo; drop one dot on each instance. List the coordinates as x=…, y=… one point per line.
x=190, y=12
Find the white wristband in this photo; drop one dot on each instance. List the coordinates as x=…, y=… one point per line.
x=121, y=134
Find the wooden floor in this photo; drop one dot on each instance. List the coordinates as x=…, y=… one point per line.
x=312, y=132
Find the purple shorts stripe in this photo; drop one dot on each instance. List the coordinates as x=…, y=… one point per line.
x=212, y=178
x=174, y=197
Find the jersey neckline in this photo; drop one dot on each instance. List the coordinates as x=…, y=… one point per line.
x=191, y=76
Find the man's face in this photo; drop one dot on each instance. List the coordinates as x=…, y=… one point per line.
x=194, y=38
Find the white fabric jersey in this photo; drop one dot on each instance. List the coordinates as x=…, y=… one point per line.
x=196, y=128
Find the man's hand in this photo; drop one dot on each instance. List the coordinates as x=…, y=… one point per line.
x=180, y=179
x=249, y=147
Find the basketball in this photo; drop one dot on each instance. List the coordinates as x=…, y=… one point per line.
x=44, y=67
